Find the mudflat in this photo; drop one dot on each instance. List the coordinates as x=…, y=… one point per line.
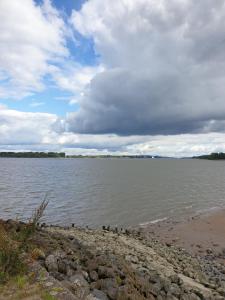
x=200, y=235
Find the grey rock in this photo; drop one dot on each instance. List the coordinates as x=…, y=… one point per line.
x=85, y=274
x=154, y=276
x=59, y=254
x=112, y=293
x=156, y=288
x=175, y=290
x=51, y=263
x=176, y=279
x=142, y=271
x=79, y=285
x=166, y=283
x=109, y=286
x=190, y=296
x=104, y=272
x=132, y=258
x=170, y=297
x=93, y=275
x=97, y=295
x=63, y=266
x=57, y=275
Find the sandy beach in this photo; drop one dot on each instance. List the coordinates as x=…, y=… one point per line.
x=200, y=235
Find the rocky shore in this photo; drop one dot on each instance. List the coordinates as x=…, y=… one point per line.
x=86, y=264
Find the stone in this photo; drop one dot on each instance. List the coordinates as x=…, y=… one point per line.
x=51, y=263
x=190, y=296
x=97, y=295
x=154, y=276
x=156, y=288
x=109, y=286
x=57, y=275
x=85, y=274
x=142, y=271
x=166, y=283
x=79, y=285
x=63, y=266
x=59, y=254
x=209, y=251
x=104, y=272
x=112, y=293
x=93, y=275
x=175, y=290
x=48, y=284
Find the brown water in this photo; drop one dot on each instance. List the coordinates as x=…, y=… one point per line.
x=110, y=191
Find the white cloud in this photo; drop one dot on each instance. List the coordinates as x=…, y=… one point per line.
x=18, y=128
x=75, y=78
x=36, y=104
x=185, y=145
x=32, y=39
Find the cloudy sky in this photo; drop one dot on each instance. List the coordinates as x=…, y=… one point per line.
x=119, y=77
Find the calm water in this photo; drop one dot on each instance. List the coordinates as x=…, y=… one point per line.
x=110, y=191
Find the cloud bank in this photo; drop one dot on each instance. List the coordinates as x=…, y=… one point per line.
x=164, y=67
x=24, y=131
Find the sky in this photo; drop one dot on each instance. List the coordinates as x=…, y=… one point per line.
x=138, y=77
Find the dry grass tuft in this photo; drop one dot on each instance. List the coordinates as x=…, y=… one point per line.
x=10, y=262
x=37, y=253
x=13, y=244
x=38, y=213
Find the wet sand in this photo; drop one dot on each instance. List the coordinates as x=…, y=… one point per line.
x=200, y=235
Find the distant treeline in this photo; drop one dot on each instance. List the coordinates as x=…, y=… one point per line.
x=112, y=156
x=212, y=156
x=33, y=154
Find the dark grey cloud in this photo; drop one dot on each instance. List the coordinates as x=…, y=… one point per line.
x=164, y=67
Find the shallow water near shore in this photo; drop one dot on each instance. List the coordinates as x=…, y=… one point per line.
x=123, y=192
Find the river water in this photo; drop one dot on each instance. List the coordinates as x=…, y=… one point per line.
x=123, y=192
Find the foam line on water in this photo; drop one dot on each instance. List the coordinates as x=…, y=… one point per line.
x=153, y=221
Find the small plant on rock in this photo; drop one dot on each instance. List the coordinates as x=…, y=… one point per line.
x=38, y=213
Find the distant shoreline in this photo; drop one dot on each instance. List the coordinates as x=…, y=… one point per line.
x=30, y=154
x=63, y=155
